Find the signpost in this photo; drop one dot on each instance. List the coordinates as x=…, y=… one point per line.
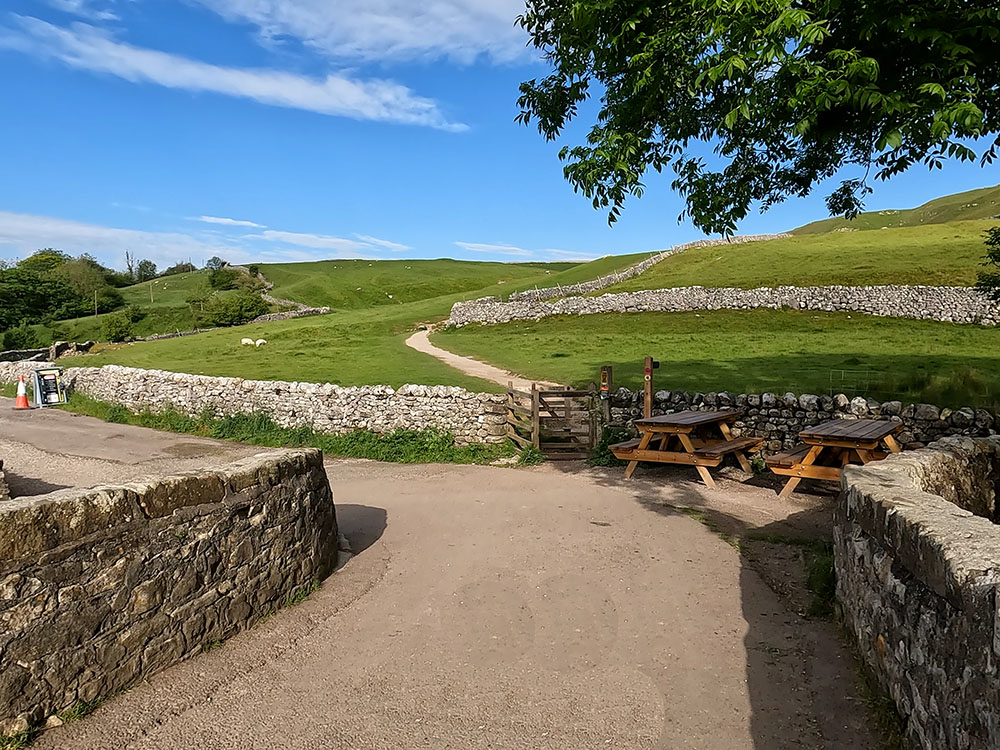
x=647, y=378
x=49, y=387
x=605, y=394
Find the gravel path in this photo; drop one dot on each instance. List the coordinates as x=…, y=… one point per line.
x=487, y=607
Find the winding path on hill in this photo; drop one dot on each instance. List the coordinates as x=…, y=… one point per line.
x=555, y=608
x=472, y=367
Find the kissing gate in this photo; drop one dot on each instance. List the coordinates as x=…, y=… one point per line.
x=558, y=422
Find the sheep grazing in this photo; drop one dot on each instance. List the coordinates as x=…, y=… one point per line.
x=246, y=342
x=260, y=342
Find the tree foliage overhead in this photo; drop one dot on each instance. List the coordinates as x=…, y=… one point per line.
x=787, y=92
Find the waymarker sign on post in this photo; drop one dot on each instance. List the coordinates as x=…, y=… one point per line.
x=49, y=387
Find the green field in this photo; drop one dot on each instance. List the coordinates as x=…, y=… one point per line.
x=937, y=254
x=751, y=351
x=982, y=203
x=358, y=284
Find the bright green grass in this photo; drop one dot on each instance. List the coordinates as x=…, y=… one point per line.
x=752, y=352
x=947, y=254
x=586, y=271
x=982, y=203
x=356, y=284
x=169, y=291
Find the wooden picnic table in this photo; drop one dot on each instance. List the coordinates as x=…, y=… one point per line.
x=829, y=447
x=697, y=438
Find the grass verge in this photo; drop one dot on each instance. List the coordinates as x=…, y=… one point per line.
x=401, y=446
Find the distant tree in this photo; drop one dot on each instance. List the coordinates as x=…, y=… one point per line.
x=785, y=93
x=200, y=294
x=21, y=337
x=989, y=281
x=87, y=277
x=145, y=271
x=182, y=267
x=134, y=313
x=221, y=279
x=215, y=263
x=235, y=309
x=31, y=296
x=44, y=260
x=130, y=264
x=116, y=327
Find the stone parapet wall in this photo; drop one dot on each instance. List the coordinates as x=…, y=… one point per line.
x=611, y=279
x=940, y=303
x=470, y=417
x=101, y=588
x=779, y=418
x=918, y=567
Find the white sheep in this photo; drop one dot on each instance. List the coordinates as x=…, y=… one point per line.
x=246, y=342
x=260, y=342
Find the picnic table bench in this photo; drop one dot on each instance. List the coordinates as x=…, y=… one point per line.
x=686, y=437
x=829, y=447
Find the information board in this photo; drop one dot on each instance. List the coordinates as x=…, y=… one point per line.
x=48, y=387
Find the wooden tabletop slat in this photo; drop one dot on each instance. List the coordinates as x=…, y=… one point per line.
x=690, y=418
x=862, y=430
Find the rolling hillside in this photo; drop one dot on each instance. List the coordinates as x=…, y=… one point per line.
x=981, y=203
x=934, y=254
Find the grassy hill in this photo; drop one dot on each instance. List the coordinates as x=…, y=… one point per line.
x=358, y=284
x=982, y=203
x=947, y=254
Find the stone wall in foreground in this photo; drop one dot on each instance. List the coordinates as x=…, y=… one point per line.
x=4, y=489
x=470, y=417
x=940, y=303
x=602, y=282
x=101, y=588
x=778, y=418
x=917, y=556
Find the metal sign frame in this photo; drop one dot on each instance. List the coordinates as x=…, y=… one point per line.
x=49, y=389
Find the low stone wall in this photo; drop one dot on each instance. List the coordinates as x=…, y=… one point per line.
x=940, y=303
x=611, y=279
x=917, y=557
x=779, y=418
x=4, y=489
x=470, y=417
x=101, y=588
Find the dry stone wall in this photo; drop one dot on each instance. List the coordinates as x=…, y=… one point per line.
x=917, y=555
x=940, y=303
x=611, y=279
x=4, y=489
x=470, y=417
x=779, y=418
x=101, y=588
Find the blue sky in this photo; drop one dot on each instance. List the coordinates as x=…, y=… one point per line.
x=303, y=129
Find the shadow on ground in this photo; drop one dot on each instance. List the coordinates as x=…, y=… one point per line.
x=362, y=525
x=21, y=486
x=803, y=683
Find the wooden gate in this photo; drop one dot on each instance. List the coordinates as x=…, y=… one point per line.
x=558, y=422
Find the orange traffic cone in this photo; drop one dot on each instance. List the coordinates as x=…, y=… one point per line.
x=22, y=395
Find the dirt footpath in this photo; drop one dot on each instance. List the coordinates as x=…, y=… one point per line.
x=507, y=608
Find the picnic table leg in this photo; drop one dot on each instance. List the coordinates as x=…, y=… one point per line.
x=727, y=434
x=892, y=444
x=702, y=470
x=808, y=460
x=865, y=456
x=643, y=444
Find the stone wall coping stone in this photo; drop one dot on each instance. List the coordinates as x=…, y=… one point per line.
x=952, y=551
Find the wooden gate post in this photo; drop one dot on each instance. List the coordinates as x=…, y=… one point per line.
x=605, y=394
x=536, y=430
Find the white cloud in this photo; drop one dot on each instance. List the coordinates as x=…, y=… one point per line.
x=380, y=30
x=25, y=233
x=394, y=246
x=482, y=247
x=229, y=222
x=318, y=241
x=87, y=48
x=83, y=9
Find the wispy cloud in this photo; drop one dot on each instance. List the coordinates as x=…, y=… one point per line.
x=394, y=246
x=88, y=48
x=483, y=247
x=229, y=222
x=83, y=9
x=25, y=233
x=317, y=241
x=460, y=30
